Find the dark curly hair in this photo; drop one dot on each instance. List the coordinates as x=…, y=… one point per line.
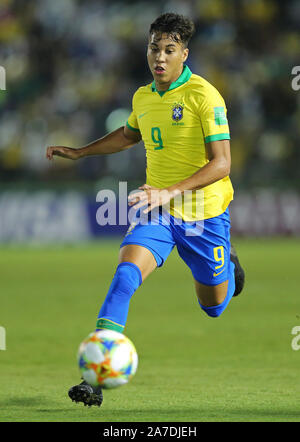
x=175, y=25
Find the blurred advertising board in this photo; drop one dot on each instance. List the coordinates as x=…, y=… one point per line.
x=52, y=217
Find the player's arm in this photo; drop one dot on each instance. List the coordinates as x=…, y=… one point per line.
x=218, y=167
x=116, y=141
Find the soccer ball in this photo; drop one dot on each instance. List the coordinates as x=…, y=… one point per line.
x=107, y=358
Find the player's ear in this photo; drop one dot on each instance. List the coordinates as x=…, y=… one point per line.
x=185, y=54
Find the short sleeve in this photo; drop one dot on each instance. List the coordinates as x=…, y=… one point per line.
x=132, y=123
x=213, y=115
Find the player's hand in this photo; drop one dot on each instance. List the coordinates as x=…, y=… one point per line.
x=61, y=151
x=151, y=196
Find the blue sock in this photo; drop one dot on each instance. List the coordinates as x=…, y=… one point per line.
x=216, y=310
x=114, y=311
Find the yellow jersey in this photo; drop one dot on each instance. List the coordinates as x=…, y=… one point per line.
x=174, y=126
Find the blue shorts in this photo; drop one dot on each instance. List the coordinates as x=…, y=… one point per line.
x=203, y=245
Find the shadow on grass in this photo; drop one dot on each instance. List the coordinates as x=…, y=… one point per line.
x=16, y=401
x=175, y=414
x=40, y=408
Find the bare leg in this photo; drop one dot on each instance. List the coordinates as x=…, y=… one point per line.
x=211, y=295
x=140, y=256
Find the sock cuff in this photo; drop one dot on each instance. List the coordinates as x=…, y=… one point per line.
x=134, y=266
x=216, y=310
x=204, y=307
x=108, y=324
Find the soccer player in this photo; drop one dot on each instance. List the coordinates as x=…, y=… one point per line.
x=182, y=120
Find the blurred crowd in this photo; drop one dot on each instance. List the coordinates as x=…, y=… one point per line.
x=72, y=67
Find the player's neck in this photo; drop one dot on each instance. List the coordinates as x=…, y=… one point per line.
x=163, y=86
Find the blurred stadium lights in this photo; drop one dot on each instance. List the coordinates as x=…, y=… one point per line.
x=2, y=78
x=116, y=119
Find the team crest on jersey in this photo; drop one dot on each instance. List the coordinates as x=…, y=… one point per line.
x=177, y=111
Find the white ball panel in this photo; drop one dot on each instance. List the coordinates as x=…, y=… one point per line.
x=134, y=363
x=90, y=377
x=93, y=353
x=114, y=382
x=120, y=357
x=109, y=334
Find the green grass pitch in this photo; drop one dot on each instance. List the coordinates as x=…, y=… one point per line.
x=192, y=368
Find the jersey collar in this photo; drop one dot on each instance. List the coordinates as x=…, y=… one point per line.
x=184, y=77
